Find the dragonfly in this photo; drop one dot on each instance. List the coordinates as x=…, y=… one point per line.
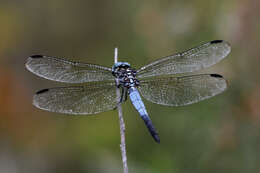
x=162, y=82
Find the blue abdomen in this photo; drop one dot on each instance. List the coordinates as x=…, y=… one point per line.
x=139, y=106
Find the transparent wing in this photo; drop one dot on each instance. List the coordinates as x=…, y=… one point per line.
x=178, y=91
x=192, y=60
x=90, y=99
x=62, y=70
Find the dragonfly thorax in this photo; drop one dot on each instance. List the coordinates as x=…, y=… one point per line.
x=125, y=74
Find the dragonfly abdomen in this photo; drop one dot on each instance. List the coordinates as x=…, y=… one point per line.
x=139, y=106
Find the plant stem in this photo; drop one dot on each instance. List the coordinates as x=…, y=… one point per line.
x=122, y=124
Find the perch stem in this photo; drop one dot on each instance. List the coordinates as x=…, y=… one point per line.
x=121, y=121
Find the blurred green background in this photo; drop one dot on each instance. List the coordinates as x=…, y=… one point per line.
x=221, y=134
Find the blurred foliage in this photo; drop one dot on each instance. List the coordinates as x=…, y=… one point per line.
x=217, y=135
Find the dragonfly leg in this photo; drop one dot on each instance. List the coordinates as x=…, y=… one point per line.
x=125, y=94
x=123, y=97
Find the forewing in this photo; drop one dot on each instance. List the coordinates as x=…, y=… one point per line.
x=192, y=60
x=178, y=91
x=62, y=70
x=90, y=99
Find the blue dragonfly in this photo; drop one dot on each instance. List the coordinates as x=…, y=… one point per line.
x=159, y=82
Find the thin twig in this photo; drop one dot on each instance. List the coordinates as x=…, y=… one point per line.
x=122, y=124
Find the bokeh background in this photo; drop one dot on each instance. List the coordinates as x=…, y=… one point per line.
x=221, y=134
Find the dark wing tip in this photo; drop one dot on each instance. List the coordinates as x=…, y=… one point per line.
x=224, y=46
x=36, y=56
x=42, y=91
x=216, y=41
x=216, y=75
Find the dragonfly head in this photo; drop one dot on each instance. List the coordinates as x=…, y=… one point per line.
x=120, y=65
